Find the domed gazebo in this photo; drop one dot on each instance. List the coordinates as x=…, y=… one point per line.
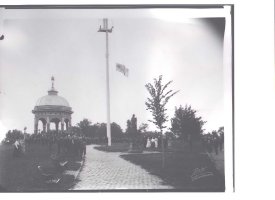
x=52, y=109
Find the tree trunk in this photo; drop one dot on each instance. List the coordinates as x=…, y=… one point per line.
x=162, y=147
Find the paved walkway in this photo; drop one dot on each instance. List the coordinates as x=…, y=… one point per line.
x=106, y=170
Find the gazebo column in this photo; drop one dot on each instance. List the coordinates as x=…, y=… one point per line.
x=67, y=125
x=48, y=125
x=44, y=126
x=62, y=124
x=35, y=125
x=56, y=126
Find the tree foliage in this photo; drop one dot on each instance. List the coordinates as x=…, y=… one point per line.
x=186, y=123
x=143, y=128
x=128, y=127
x=13, y=135
x=116, y=130
x=159, y=97
x=98, y=131
x=84, y=126
x=221, y=130
x=76, y=130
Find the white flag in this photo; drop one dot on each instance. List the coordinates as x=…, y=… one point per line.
x=121, y=68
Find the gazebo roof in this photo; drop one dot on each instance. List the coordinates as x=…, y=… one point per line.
x=52, y=102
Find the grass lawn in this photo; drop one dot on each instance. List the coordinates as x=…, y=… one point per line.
x=121, y=147
x=21, y=174
x=116, y=147
x=179, y=168
x=125, y=147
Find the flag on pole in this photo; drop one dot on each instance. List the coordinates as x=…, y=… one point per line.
x=121, y=68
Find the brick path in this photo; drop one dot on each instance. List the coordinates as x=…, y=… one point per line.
x=106, y=170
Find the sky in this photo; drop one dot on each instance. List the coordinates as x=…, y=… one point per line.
x=65, y=44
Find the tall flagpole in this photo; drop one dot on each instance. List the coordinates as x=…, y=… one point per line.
x=106, y=30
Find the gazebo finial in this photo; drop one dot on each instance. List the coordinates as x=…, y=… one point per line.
x=52, y=82
x=52, y=91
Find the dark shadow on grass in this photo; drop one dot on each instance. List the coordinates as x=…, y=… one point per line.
x=64, y=184
x=21, y=174
x=67, y=182
x=178, y=170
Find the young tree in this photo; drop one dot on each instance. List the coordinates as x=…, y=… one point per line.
x=159, y=97
x=186, y=125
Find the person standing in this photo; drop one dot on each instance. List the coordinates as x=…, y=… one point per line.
x=16, y=151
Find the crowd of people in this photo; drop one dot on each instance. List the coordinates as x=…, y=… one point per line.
x=211, y=142
x=60, y=142
x=72, y=144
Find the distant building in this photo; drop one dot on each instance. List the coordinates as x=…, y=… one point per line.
x=52, y=109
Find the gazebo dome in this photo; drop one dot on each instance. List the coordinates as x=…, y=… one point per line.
x=52, y=100
x=52, y=109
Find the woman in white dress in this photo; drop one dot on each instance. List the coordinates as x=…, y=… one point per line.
x=16, y=151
